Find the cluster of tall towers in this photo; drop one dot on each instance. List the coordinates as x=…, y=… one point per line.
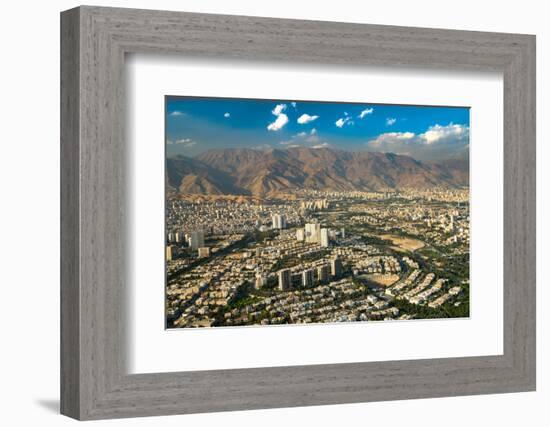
x=313, y=233
x=194, y=239
x=278, y=221
x=308, y=276
x=315, y=204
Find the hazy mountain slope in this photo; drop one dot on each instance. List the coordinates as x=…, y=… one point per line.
x=187, y=175
x=458, y=170
x=260, y=173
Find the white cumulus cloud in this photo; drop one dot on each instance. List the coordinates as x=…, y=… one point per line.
x=390, y=121
x=322, y=145
x=436, y=143
x=279, y=108
x=281, y=120
x=365, y=112
x=306, y=118
x=185, y=142
x=304, y=138
x=177, y=113
x=346, y=120
x=279, y=123
x=391, y=137
x=437, y=133
x=227, y=115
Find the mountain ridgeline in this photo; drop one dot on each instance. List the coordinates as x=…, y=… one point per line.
x=249, y=172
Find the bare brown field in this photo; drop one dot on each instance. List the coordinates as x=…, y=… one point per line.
x=404, y=243
x=382, y=279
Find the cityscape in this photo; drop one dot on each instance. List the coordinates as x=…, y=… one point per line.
x=329, y=227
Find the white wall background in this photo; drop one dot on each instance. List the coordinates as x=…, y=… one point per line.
x=29, y=179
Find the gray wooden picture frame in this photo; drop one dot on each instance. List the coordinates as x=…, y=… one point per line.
x=94, y=41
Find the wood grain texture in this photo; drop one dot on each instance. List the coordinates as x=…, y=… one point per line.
x=95, y=383
x=70, y=297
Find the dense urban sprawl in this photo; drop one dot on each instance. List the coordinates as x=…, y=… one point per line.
x=317, y=257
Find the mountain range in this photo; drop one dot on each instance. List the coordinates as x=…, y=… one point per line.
x=249, y=172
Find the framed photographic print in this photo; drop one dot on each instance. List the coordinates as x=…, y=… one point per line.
x=287, y=212
x=261, y=213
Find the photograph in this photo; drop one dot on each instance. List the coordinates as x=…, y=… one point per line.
x=305, y=212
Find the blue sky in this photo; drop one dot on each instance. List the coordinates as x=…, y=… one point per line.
x=195, y=125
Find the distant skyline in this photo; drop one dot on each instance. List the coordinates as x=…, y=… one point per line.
x=428, y=133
